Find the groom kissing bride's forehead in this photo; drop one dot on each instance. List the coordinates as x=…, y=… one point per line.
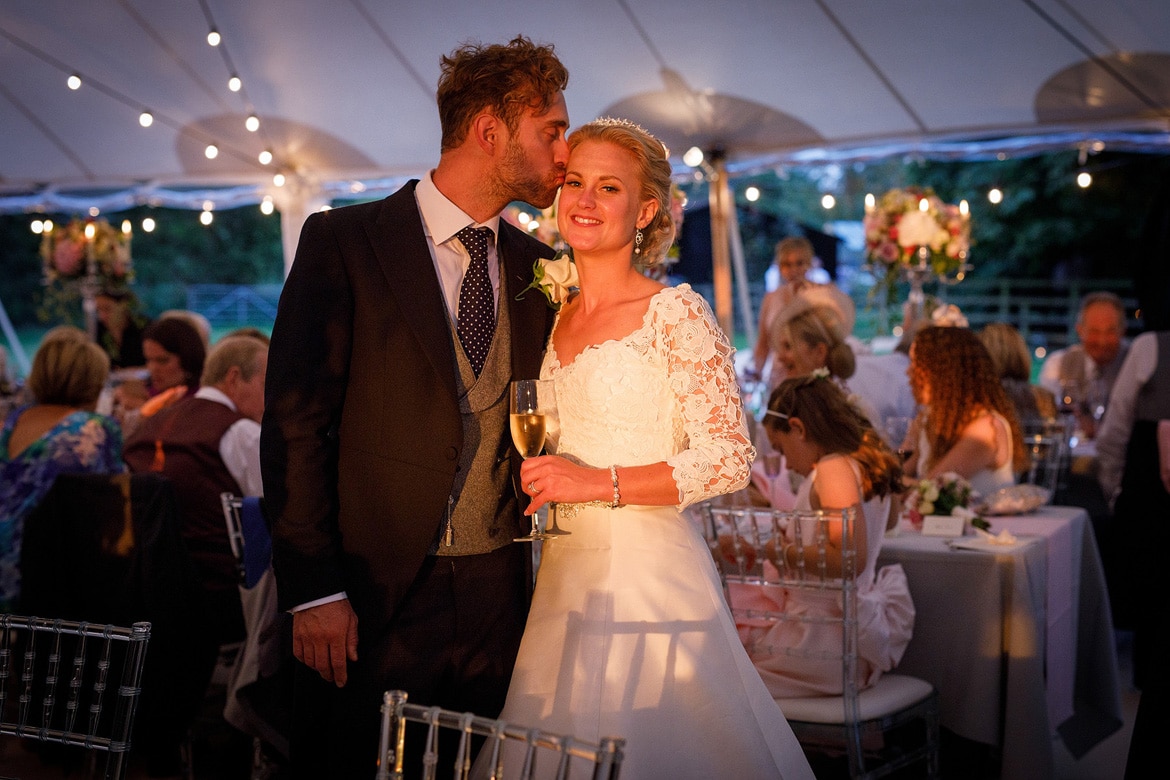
x=389, y=479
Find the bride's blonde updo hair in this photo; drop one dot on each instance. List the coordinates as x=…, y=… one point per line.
x=653, y=162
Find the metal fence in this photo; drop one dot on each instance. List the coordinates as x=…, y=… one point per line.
x=1044, y=311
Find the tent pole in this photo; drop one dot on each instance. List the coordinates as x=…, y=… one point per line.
x=720, y=244
x=13, y=341
x=740, y=267
x=298, y=199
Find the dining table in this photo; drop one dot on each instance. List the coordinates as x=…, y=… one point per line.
x=1017, y=638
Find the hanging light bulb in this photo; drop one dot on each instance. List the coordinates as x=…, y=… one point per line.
x=211, y=152
x=213, y=37
x=693, y=157
x=1084, y=180
x=73, y=82
x=234, y=83
x=995, y=195
x=37, y=226
x=267, y=206
x=265, y=157
x=252, y=123
x=828, y=201
x=146, y=119
x=752, y=194
x=206, y=217
x=278, y=180
x=148, y=224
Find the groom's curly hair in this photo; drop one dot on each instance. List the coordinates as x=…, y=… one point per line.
x=504, y=78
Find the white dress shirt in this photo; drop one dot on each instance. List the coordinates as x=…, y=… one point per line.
x=1113, y=438
x=441, y=220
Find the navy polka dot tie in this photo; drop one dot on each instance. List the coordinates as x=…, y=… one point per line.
x=477, y=311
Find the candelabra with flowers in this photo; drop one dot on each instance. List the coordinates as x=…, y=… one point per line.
x=912, y=235
x=81, y=258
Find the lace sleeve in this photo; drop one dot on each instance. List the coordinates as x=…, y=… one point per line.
x=717, y=454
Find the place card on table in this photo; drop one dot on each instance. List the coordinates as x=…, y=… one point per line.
x=943, y=525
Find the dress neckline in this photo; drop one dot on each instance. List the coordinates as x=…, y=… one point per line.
x=555, y=358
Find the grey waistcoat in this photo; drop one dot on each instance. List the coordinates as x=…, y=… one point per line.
x=483, y=507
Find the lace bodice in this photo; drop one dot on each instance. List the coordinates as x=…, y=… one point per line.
x=666, y=392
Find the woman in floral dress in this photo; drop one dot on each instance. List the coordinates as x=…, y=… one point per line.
x=57, y=433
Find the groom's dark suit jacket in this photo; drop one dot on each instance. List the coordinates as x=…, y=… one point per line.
x=362, y=431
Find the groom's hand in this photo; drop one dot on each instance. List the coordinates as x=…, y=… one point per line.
x=325, y=637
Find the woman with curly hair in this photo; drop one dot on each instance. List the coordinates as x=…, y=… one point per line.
x=967, y=424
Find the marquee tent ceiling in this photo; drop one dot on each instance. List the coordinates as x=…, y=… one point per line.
x=344, y=89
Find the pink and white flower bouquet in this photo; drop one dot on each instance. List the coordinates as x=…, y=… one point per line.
x=903, y=222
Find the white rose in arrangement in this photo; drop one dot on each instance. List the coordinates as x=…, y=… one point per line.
x=919, y=228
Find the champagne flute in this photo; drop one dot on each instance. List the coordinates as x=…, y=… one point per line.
x=771, y=471
x=530, y=403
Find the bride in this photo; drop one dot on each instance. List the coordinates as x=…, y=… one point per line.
x=629, y=634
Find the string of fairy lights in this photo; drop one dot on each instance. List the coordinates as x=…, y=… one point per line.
x=148, y=117
x=696, y=158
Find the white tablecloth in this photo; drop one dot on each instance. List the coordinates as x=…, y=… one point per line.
x=1019, y=640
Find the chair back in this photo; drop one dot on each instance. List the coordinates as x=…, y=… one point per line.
x=751, y=551
x=60, y=683
x=249, y=536
x=605, y=755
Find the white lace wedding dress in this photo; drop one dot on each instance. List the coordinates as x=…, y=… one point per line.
x=629, y=634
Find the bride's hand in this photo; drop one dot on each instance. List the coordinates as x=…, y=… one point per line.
x=552, y=479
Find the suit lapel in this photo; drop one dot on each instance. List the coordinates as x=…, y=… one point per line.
x=400, y=246
x=531, y=315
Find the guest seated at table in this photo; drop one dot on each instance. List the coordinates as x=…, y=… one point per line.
x=812, y=336
x=120, y=326
x=1097, y=358
x=846, y=465
x=58, y=432
x=1034, y=404
x=966, y=423
x=794, y=258
x=174, y=358
x=208, y=444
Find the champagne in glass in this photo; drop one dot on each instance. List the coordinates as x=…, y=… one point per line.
x=531, y=402
x=528, y=429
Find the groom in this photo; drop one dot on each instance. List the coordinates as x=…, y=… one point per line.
x=389, y=477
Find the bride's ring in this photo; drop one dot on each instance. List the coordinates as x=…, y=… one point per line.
x=532, y=488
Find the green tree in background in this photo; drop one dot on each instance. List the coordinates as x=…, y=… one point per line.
x=241, y=246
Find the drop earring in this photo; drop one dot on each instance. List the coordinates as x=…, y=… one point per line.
x=638, y=242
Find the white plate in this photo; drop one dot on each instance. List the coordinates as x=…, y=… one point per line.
x=1014, y=500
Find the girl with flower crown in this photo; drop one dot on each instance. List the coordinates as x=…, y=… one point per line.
x=846, y=464
x=629, y=633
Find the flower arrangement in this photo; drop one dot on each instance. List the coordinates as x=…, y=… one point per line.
x=908, y=225
x=555, y=279
x=66, y=252
x=946, y=494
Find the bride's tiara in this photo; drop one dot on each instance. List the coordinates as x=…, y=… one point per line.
x=613, y=121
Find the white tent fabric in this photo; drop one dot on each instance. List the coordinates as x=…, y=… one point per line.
x=344, y=89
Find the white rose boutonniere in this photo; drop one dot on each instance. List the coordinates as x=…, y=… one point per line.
x=555, y=279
